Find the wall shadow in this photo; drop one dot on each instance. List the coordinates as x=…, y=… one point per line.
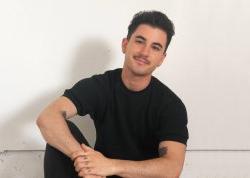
x=92, y=56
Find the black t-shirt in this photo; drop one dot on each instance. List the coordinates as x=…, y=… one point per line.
x=130, y=125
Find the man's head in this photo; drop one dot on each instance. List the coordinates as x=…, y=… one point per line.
x=149, y=34
x=155, y=19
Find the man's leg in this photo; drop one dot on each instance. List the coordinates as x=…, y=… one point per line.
x=57, y=164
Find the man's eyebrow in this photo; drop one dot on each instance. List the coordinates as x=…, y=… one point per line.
x=140, y=37
x=155, y=43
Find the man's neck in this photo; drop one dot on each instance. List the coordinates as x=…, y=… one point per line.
x=135, y=82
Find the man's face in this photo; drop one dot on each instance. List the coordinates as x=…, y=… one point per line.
x=144, y=51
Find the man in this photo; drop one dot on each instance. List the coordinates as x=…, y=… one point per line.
x=141, y=125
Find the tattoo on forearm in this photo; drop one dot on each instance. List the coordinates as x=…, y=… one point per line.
x=163, y=151
x=64, y=114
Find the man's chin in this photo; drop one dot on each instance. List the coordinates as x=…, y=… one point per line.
x=141, y=73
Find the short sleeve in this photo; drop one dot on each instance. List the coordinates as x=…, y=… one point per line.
x=173, y=122
x=88, y=96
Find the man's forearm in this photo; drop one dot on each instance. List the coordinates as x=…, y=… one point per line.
x=168, y=165
x=56, y=132
x=158, y=167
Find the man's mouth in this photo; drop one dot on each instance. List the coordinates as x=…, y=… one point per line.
x=141, y=60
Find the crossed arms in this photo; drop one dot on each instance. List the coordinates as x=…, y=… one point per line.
x=91, y=163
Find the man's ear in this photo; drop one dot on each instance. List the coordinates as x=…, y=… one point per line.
x=124, y=44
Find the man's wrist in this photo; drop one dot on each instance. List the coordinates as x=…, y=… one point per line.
x=75, y=153
x=117, y=167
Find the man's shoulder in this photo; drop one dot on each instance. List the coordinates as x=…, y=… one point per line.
x=101, y=81
x=108, y=78
x=108, y=74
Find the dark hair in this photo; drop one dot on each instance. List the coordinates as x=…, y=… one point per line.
x=154, y=19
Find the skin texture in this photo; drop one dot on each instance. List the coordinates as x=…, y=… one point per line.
x=163, y=151
x=54, y=129
x=144, y=52
x=170, y=164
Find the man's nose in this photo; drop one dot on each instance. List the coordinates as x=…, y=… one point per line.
x=145, y=50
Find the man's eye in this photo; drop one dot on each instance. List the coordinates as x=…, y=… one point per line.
x=156, y=48
x=139, y=41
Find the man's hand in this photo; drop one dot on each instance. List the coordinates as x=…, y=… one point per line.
x=90, y=162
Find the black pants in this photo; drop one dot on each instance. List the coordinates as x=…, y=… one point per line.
x=57, y=164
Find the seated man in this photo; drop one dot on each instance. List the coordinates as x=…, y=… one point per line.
x=141, y=125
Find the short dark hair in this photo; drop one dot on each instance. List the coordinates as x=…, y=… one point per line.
x=154, y=19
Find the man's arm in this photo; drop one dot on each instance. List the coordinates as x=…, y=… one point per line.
x=168, y=165
x=54, y=128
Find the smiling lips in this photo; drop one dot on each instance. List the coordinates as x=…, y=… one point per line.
x=141, y=60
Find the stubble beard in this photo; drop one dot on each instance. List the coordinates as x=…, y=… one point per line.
x=141, y=72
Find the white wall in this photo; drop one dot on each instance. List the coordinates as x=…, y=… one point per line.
x=46, y=46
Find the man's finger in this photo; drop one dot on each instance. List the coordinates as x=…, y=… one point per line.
x=84, y=172
x=81, y=160
x=80, y=166
x=77, y=154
